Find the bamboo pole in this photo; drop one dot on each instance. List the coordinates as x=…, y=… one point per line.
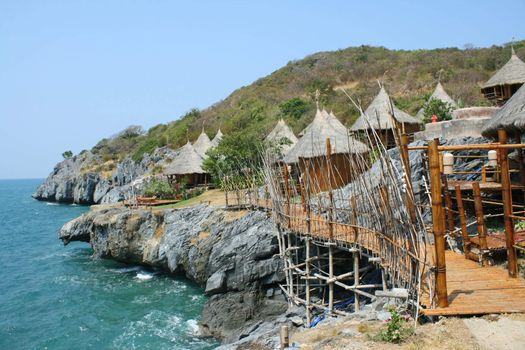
x=408, y=177
x=287, y=189
x=307, y=282
x=448, y=203
x=330, y=193
x=463, y=221
x=356, y=280
x=331, y=276
x=507, y=205
x=520, y=161
x=478, y=206
x=438, y=224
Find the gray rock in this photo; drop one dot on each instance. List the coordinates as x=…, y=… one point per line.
x=216, y=283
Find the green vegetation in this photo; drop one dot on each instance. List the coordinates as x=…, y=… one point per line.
x=290, y=92
x=235, y=154
x=67, y=154
x=397, y=329
x=159, y=188
x=442, y=110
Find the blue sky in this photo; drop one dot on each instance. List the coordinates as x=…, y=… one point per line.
x=73, y=72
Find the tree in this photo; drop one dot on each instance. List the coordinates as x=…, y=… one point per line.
x=294, y=108
x=443, y=110
x=67, y=154
x=235, y=153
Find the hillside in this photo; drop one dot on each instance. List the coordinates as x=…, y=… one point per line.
x=409, y=76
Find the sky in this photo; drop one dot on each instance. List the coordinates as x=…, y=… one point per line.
x=74, y=72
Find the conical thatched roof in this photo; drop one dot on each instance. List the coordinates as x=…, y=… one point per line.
x=202, y=144
x=186, y=161
x=511, y=116
x=439, y=94
x=282, y=131
x=513, y=72
x=313, y=141
x=378, y=114
x=217, y=138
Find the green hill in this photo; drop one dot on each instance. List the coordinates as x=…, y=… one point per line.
x=409, y=77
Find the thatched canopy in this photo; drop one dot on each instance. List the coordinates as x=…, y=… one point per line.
x=280, y=132
x=202, y=144
x=513, y=72
x=217, y=138
x=438, y=94
x=313, y=141
x=186, y=161
x=510, y=117
x=377, y=115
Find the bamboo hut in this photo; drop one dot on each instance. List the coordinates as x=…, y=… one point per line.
x=439, y=94
x=202, y=144
x=217, y=139
x=510, y=117
x=379, y=115
x=507, y=80
x=186, y=167
x=283, y=136
x=323, y=168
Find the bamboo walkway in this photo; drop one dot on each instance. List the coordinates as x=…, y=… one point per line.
x=472, y=289
x=476, y=290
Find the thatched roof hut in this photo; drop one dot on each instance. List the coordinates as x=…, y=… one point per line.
x=377, y=115
x=282, y=131
x=202, y=144
x=510, y=117
x=439, y=94
x=186, y=161
x=217, y=139
x=507, y=80
x=313, y=141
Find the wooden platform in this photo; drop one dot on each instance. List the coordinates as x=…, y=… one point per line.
x=483, y=186
x=475, y=290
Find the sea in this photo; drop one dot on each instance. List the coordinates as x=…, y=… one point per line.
x=60, y=297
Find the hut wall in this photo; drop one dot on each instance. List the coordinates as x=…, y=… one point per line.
x=322, y=175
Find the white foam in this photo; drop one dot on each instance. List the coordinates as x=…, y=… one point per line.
x=144, y=276
x=193, y=326
x=126, y=269
x=51, y=203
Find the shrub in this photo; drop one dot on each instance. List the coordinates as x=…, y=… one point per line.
x=443, y=110
x=67, y=154
x=397, y=329
x=294, y=108
x=159, y=188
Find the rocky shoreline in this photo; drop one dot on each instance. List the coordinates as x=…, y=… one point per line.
x=231, y=255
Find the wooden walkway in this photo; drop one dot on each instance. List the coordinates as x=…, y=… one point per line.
x=475, y=290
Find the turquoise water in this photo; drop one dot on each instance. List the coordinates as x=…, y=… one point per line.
x=56, y=297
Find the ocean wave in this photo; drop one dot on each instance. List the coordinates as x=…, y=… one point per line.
x=193, y=327
x=126, y=269
x=145, y=276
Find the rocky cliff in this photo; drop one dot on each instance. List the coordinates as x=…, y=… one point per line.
x=232, y=255
x=87, y=179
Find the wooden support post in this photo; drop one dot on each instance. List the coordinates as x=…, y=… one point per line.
x=225, y=183
x=448, y=203
x=478, y=206
x=356, y=281
x=507, y=206
x=307, y=282
x=288, y=195
x=462, y=221
x=330, y=193
x=521, y=164
x=408, y=177
x=285, y=338
x=438, y=224
x=354, y=219
x=331, y=276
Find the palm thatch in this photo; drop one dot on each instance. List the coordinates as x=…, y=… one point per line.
x=217, y=139
x=377, y=115
x=282, y=132
x=510, y=117
x=186, y=161
x=439, y=94
x=202, y=144
x=313, y=141
x=513, y=72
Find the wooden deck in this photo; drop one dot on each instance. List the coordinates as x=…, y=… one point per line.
x=483, y=186
x=475, y=290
